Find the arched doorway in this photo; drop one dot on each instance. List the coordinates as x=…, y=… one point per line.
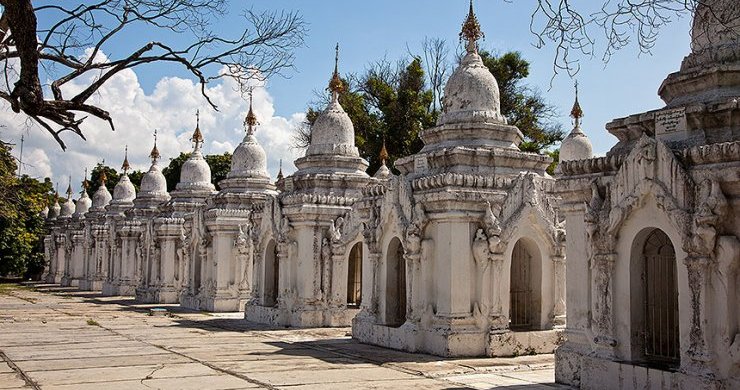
x=395, y=285
x=524, y=287
x=272, y=275
x=354, y=276
x=659, y=310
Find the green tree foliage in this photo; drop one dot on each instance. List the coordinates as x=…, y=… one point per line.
x=220, y=165
x=21, y=224
x=111, y=175
x=524, y=107
x=135, y=177
x=396, y=102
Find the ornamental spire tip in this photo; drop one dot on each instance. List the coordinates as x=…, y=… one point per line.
x=471, y=31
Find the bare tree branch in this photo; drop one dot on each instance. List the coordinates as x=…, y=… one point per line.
x=436, y=64
x=72, y=39
x=587, y=29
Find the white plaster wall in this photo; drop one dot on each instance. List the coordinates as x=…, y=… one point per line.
x=577, y=273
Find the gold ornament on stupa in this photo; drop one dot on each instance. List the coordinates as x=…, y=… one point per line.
x=471, y=31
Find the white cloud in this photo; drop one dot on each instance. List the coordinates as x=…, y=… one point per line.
x=170, y=108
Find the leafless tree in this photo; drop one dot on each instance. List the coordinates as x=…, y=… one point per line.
x=68, y=40
x=578, y=28
x=436, y=64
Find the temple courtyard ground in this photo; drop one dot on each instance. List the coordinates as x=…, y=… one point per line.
x=56, y=338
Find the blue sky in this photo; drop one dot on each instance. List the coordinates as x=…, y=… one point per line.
x=165, y=97
x=370, y=30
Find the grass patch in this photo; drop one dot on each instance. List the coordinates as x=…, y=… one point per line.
x=7, y=287
x=92, y=322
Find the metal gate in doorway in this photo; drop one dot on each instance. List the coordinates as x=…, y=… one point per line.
x=520, y=289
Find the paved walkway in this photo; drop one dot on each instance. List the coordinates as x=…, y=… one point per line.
x=53, y=338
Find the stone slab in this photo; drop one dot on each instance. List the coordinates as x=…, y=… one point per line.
x=128, y=349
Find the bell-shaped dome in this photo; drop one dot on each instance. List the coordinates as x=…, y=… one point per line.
x=101, y=198
x=249, y=159
x=471, y=94
x=576, y=146
x=67, y=209
x=153, y=189
x=333, y=132
x=54, y=210
x=124, y=190
x=83, y=204
x=195, y=173
x=153, y=182
x=383, y=172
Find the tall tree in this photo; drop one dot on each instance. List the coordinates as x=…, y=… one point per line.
x=21, y=224
x=111, y=177
x=391, y=103
x=523, y=106
x=67, y=42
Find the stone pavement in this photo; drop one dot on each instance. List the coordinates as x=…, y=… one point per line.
x=55, y=338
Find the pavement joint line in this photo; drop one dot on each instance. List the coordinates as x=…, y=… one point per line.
x=149, y=376
x=205, y=363
x=391, y=365
x=29, y=382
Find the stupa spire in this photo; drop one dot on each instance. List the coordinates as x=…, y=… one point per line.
x=335, y=84
x=576, y=112
x=197, y=137
x=383, y=153
x=250, y=122
x=471, y=31
x=280, y=170
x=69, y=188
x=154, y=155
x=103, y=178
x=126, y=166
x=85, y=184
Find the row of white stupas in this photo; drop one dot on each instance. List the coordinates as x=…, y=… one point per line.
x=464, y=252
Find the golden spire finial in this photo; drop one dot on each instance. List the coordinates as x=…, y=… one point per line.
x=126, y=166
x=154, y=155
x=103, y=177
x=197, y=135
x=383, y=153
x=576, y=113
x=471, y=31
x=335, y=84
x=251, y=120
x=280, y=170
